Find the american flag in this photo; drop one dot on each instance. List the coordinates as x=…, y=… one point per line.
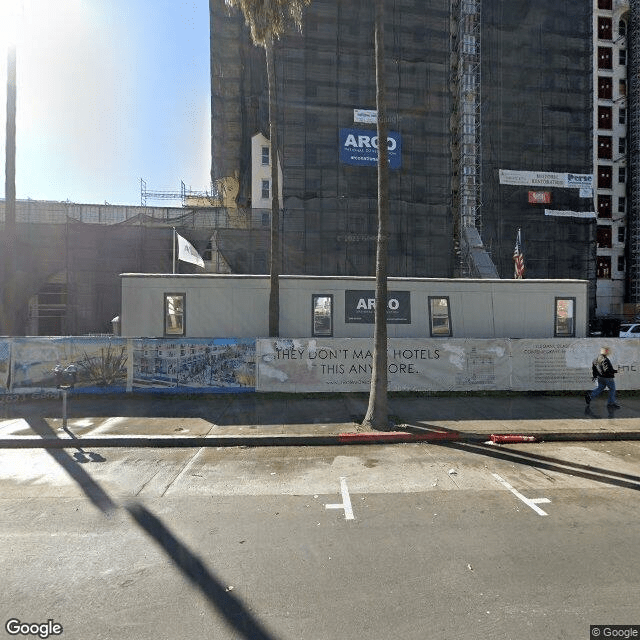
x=518, y=258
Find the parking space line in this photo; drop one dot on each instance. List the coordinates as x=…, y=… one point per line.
x=530, y=502
x=346, y=501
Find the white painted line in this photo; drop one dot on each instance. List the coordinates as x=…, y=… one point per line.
x=7, y=427
x=532, y=503
x=346, y=501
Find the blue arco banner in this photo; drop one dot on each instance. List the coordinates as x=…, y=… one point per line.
x=360, y=147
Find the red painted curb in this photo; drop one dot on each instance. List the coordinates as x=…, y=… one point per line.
x=503, y=439
x=400, y=436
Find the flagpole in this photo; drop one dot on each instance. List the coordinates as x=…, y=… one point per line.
x=173, y=259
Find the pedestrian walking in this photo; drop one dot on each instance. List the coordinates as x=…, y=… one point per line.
x=602, y=370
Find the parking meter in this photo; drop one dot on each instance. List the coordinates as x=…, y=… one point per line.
x=65, y=380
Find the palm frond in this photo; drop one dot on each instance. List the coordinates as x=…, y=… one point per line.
x=269, y=19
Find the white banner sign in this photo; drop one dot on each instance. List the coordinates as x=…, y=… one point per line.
x=546, y=365
x=312, y=365
x=365, y=115
x=546, y=179
x=570, y=214
x=330, y=365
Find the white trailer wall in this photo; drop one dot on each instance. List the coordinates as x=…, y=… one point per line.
x=237, y=305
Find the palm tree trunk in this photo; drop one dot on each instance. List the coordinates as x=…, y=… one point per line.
x=377, y=411
x=274, y=262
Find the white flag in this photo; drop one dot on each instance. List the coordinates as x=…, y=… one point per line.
x=187, y=253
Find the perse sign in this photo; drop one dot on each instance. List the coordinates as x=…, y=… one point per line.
x=359, y=307
x=360, y=147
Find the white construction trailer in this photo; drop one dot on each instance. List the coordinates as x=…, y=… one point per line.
x=219, y=306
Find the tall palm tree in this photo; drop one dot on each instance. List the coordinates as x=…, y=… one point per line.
x=268, y=20
x=377, y=411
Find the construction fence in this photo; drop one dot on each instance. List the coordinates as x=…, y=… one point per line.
x=228, y=365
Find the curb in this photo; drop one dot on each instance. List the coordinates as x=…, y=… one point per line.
x=281, y=440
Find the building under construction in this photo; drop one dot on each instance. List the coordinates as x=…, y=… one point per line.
x=69, y=257
x=491, y=113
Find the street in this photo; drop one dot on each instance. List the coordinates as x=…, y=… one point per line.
x=401, y=541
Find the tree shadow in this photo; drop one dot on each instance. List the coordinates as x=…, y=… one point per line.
x=588, y=472
x=232, y=609
x=476, y=443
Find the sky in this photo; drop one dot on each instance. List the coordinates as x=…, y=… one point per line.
x=108, y=92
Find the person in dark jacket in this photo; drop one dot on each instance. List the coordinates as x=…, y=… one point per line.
x=602, y=370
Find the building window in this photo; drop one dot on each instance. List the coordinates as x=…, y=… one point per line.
x=622, y=57
x=622, y=28
x=620, y=263
x=604, y=117
x=605, y=88
x=605, y=58
x=265, y=190
x=622, y=204
x=622, y=175
x=174, y=324
x=439, y=317
x=605, y=5
x=604, y=238
x=565, y=326
x=604, y=147
x=605, y=28
x=265, y=156
x=621, y=235
x=322, y=315
x=604, y=206
x=604, y=267
x=265, y=219
x=604, y=177
x=622, y=145
x=622, y=88
x=622, y=115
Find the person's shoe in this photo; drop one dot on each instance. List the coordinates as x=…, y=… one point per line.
x=613, y=405
x=587, y=398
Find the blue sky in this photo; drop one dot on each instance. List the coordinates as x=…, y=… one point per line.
x=109, y=91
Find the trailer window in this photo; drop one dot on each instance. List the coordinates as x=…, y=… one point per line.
x=174, y=324
x=322, y=312
x=565, y=325
x=439, y=317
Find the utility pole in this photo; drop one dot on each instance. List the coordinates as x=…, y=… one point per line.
x=8, y=313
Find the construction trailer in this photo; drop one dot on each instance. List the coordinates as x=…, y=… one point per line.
x=234, y=306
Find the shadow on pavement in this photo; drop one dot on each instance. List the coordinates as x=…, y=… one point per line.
x=605, y=476
x=229, y=606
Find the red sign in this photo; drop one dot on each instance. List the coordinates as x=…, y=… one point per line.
x=539, y=197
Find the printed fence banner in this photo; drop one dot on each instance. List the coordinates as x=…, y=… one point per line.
x=558, y=364
x=5, y=361
x=329, y=365
x=100, y=363
x=225, y=365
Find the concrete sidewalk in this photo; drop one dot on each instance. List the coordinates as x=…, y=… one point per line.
x=272, y=420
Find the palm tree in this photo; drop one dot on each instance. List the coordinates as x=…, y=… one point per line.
x=268, y=20
x=377, y=411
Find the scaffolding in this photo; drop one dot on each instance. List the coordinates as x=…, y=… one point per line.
x=467, y=79
x=187, y=197
x=633, y=46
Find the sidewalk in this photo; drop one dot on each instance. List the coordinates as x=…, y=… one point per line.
x=273, y=420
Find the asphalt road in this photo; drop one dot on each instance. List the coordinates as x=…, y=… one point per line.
x=403, y=541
